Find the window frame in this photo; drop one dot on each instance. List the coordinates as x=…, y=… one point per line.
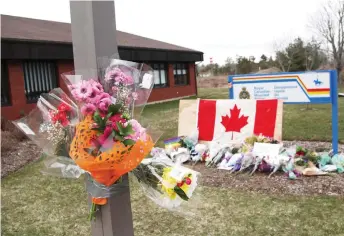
x=5, y=84
x=177, y=76
x=165, y=68
x=42, y=83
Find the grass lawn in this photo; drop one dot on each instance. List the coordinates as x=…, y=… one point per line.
x=34, y=204
x=37, y=205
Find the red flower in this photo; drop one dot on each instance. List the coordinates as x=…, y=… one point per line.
x=54, y=116
x=180, y=184
x=188, y=181
x=116, y=118
x=65, y=122
x=63, y=107
x=300, y=153
x=62, y=118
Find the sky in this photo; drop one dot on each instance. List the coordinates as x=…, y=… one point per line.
x=219, y=28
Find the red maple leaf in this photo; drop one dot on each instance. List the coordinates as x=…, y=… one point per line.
x=234, y=123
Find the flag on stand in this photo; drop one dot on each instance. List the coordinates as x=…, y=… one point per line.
x=234, y=120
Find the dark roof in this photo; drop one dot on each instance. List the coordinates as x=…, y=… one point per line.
x=20, y=28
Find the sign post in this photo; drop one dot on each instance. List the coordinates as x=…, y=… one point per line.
x=313, y=87
x=94, y=36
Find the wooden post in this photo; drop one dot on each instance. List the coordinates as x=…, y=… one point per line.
x=94, y=36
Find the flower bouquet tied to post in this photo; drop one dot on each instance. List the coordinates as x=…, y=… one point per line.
x=170, y=185
x=108, y=141
x=50, y=126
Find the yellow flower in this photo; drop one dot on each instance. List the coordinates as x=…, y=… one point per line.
x=170, y=183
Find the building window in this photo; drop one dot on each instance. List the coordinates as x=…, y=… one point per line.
x=5, y=85
x=181, y=75
x=40, y=77
x=160, y=75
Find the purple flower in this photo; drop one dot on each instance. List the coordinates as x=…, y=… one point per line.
x=88, y=109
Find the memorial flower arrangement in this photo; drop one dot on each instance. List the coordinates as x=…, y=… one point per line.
x=50, y=124
x=170, y=185
x=108, y=142
x=93, y=131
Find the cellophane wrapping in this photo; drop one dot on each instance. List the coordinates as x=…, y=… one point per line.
x=50, y=125
x=109, y=142
x=168, y=184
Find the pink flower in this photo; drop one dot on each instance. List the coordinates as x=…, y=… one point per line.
x=112, y=74
x=124, y=79
x=128, y=80
x=97, y=86
x=103, y=141
x=119, y=77
x=106, y=134
x=103, y=95
x=104, y=103
x=75, y=95
x=135, y=95
x=139, y=131
x=93, y=96
x=82, y=91
x=88, y=109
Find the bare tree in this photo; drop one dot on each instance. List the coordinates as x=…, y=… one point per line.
x=329, y=24
x=315, y=56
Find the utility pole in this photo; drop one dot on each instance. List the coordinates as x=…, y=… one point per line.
x=94, y=37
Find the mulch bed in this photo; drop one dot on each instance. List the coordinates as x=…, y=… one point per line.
x=18, y=156
x=276, y=184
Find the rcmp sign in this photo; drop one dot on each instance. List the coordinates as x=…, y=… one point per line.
x=307, y=87
x=313, y=87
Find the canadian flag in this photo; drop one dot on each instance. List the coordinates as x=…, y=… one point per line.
x=235, y=120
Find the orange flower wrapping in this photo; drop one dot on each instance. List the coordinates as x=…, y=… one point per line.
x=110, y=165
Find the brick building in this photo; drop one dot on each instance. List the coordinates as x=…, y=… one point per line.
x=36, y=52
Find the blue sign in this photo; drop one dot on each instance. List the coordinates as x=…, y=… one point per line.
x=313, y=87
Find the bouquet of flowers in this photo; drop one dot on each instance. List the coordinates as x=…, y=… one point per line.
x=249, y=142
x=108, y=142
x=51, y=126
x=304, y=156
x=168, y=184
